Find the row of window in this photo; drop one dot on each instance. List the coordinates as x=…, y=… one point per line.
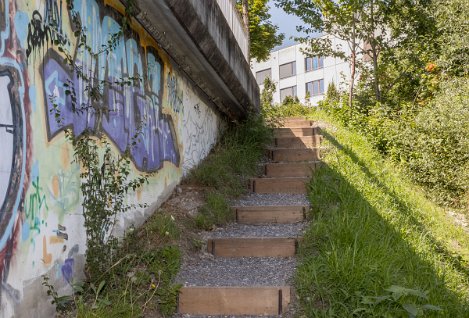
x=314, y=88
x=289, y=69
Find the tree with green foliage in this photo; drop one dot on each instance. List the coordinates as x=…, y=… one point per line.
x=340, y=22
x=371, y=29
x=263, y=36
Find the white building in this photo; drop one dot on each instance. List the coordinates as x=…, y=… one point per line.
x=294, y=74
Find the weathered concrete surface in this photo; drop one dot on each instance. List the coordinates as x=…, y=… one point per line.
x=175, y=107
x=196, y=35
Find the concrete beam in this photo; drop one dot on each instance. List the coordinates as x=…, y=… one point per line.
x=197, y=37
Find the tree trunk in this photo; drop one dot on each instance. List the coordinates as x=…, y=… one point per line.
x=245, y=5
x=353, y=59
x=374, y=53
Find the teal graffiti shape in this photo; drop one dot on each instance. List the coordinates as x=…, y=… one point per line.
x=33, y=206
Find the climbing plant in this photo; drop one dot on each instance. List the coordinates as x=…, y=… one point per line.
x=105, y=177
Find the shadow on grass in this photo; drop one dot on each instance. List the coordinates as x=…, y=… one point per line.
x=438, y=247
x=351, y=252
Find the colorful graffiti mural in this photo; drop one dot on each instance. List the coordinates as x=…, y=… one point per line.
x=14, y=108
x=41, y=227
x=125, y=111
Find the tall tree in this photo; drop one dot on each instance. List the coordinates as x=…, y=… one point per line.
x=334, y=19
x=370, y=28
x=263, y=34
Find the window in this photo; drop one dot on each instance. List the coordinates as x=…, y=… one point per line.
x=287, y=70
x=314, y=63
x=315, y=88
x=288, y=91
x=261, y=75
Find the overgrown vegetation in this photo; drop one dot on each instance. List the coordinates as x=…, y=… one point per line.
x=376, y=246
x=263, y=36
x=274, y=113
x=430, y=142
x=130, y=278
x=139, y=281
x=411, y=96
x=227, y=169
x=105, y=177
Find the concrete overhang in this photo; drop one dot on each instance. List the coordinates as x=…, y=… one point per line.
x=197, y=37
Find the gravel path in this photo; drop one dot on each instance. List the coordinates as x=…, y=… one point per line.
x=257, y=199
x=267, y=230
x=244, y=271
x=190, y=316
x=207, y=270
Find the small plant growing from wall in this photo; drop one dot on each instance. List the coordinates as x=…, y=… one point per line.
x=105, y=177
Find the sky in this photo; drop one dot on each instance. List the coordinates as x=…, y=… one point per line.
x=286, y=23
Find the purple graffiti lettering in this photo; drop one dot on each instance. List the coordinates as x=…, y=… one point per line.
x=67, y=269
x=130, y=115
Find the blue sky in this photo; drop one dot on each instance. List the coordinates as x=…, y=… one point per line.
x=286, y=23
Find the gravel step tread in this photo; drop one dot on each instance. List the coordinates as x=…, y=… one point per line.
x=271, y=199
x=236, y=230
x=191, y=316
x=243, y=271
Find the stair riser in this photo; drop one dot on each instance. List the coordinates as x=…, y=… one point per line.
x=294, y=154
x=252, y=247
x=289, y=170
x=278, y=185
x=296, y=132
x=298, y=142
x=205, y=301
x=273, y=214
x=297, y=123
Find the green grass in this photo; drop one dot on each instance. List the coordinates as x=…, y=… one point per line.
x=164, y=226
x=215, y=211
x=376, y=246
x=140, y=281
x=227, y=169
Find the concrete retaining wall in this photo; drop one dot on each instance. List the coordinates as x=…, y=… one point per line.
x=41, y=225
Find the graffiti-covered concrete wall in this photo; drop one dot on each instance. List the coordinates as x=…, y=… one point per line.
x=41, y=225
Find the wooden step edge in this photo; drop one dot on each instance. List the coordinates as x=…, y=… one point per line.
x=296, y=162
x=302, y=137
x=296, y=132
x=294, y=154
x=270, y=214
x=233, y=300
x=253, y=246
x=302, y=162
x=281, y=178
x=294, y=185
x=283, y=162
x=267, y=207
x=296, y=149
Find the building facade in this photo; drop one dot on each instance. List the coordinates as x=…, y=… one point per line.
x=298, y=75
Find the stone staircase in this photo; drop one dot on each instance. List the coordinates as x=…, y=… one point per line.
x=254, y=259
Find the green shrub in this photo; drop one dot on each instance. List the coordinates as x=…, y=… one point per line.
x=435, y=147
x=235, y=158
x=275, y=113
x=431, y=142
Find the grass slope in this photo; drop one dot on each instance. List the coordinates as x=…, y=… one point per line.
x=376, y=246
